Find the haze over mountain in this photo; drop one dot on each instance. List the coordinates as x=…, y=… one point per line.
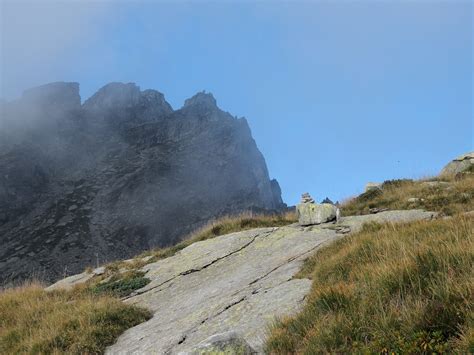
x=118, y=174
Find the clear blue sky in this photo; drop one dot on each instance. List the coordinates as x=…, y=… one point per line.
x=336, y=93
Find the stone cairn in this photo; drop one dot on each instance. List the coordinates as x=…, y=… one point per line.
x=309, y=212
x=306, y=198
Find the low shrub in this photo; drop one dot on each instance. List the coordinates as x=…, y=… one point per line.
x=121, y=285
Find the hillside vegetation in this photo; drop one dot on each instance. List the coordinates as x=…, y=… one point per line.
x=406, y=288
x=78, y=321
x=449, y=196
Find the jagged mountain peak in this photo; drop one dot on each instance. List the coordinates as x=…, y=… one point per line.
x=114, y=97
x=202, y=99
x=122, y=173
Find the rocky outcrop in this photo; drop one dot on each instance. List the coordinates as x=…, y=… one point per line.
x=460, y=164
x=121, y=173
x=223, y=292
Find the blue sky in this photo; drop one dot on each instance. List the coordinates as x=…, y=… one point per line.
x=336, y=93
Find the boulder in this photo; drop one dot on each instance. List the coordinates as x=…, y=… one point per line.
x=459, y=165
x=313, y=213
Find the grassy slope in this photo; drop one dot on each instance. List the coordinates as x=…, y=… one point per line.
x=405, y=288
x=35, y=321
x=451, y=196
x=89, y=317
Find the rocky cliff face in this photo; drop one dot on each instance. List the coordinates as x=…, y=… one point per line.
x=121, y=173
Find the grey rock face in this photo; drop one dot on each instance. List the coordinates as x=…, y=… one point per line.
x=234, y=284
x=121, y=173
x=458, y=165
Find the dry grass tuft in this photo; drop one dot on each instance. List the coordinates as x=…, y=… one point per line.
x=78, y=321
x=388, y=289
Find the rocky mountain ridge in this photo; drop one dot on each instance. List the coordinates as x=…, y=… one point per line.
x=82, y=184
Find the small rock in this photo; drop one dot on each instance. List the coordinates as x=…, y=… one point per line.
x=377, y=210
x=99, y=270
x=327, y=200
x=50, y=221
x=146, y=258
x=72, y=208
x=224, y=343
x=373, y=186
x=415, y=199
x=306, y=198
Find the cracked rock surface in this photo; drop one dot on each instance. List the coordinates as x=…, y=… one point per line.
x=234, y=283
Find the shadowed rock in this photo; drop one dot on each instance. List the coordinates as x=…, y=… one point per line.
x=119, y=174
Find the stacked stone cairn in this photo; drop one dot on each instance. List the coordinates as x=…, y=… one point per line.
x=310, y=213
x=306, y=198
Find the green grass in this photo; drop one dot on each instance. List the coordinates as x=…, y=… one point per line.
x=449, y=199
x=120, y=285
x=388, y=289
x=34, y=321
